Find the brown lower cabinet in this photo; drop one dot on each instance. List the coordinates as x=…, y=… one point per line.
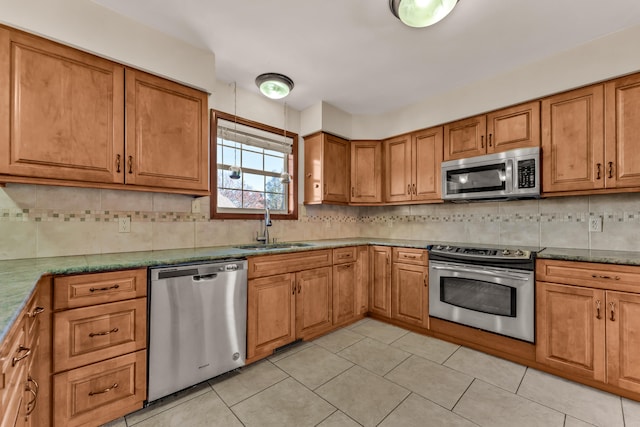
x=410, y=287
x=587, y=321
x=302, y=295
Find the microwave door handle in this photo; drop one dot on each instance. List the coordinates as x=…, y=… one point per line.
x=511, y=181
x=486, y=272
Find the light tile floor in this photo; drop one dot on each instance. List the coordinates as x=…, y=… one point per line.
x=375, y=374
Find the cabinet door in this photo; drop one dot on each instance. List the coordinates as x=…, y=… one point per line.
x=270, y=314
x=397, y=168
x=366, y=172
x=622, y=115
x=465, y=138
x=313, y=302
x=573, y=140
x=336, y=164
x=410, y=294
x=571, y=329
x=426, y=151
x=345, y=306
x=62, y=112
x=515, y=127
x=362, y=279
x=166, y=134
x=380, y=290
x=313, y=169
x=623, y=340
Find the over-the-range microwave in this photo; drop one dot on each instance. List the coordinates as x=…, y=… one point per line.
x=513, y=174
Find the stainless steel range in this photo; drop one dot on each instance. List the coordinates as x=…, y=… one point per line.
x=487, y=288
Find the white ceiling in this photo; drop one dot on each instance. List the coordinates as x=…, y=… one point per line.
x=355, y=55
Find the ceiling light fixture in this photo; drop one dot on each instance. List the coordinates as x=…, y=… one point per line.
x=421, y=13
x=274, y=85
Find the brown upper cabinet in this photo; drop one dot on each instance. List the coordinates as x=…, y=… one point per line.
x=326, y=169
x=573, y=140
x=412, y=166
x=63, y=121
x=502, y=130
x=366, y=172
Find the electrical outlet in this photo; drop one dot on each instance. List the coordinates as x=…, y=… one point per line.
x=195, y=206
x=595, y=224
x=124, y=225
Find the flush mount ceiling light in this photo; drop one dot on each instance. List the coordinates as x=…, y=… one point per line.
x=274, y=85
x=421, y=13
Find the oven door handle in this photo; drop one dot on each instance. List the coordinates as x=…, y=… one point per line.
x=485, y=271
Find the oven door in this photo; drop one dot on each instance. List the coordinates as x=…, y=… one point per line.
x=498, y=300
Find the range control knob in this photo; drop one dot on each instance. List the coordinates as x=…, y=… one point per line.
x=519, y=252
x=448, y=248
x=506, y=252
x=439, y=247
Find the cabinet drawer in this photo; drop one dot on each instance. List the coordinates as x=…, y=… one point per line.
x=89, y=334
x=14, y=359
x=343, y=255
x=97, y=288
x=593, y=275
x=270, y=265
x=410, y=256
x=101, y=392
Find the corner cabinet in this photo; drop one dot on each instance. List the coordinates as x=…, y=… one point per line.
x=588, y=321
x=412, y=166
x=63, y=122
x=502, y=130
x=326, y=169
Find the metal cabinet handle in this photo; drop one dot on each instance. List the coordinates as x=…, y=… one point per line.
x=21, y=348
x=415, y=192
x=106, y=390
x=98, y=334
x=118, y=163
x=490, y=145
x=612, y=306
x=293, y=287
x=598, y=276
x=108, y=288
x=352, y=191
x=610, y=169
x=409, y=189
x=345, y=266
x=130, y=164
x=36, y=311
x=481, y=141
x=425, y=280
x=598, y=171
x=299, y=287
x=31, y=405
x=598, y=309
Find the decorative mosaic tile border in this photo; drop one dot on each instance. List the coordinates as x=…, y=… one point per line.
x=49, y=215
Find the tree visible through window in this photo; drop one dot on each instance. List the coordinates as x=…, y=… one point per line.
x=265, y=159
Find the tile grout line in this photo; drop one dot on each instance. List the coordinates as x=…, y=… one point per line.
x=227, y=406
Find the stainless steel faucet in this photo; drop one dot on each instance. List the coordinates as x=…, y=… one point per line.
x=267, y=223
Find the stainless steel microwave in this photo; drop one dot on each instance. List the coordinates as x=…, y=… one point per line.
x=513, y=174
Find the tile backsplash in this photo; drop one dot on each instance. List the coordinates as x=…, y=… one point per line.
x=43, y=221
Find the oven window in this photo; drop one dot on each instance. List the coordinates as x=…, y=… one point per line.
x=477, y=179
x=485, y=297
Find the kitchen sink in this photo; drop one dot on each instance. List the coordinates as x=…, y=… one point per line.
x=267, y=246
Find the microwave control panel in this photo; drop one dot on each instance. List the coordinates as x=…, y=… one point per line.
x=527, y=173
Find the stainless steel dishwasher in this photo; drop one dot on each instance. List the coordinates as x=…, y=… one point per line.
x=197, y=324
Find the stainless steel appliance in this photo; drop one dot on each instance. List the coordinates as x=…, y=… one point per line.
x=487, y=288
x=197, y=324
x=513, y=174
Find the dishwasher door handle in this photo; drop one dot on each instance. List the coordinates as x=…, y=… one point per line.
x=204, y=277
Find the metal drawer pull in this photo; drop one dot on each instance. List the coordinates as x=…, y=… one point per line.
x=22, y=348
x=130, y=164
x=612, y=305
x=598, y=309
x=598, y=166
x=598, y=276
x=36, y=311
x=118, y=163
x=97, y=334
x=610, y=169
x=106, y=390
x=108, y=288
x=411, y=256
x=31, y=406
